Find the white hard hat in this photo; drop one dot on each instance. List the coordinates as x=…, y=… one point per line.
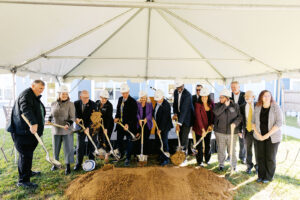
x=158, y=95
x=104, y=94
x=225, y=93
x=204, y=92
x=142, y=94
x=63, y=88
x=124, y=88
x=178, y=83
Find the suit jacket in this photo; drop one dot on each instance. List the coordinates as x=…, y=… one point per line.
x=275, y=119
x=185, y=116
x=201, y=120
x=243, y=124
x=129, y=113
x=149, y=109
x=241, y=100
x=86, y=115
x=107, y=115
x=33, y=109
x=163, y=116
x=195, y=100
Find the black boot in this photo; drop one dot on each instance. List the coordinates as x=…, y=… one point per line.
x=68, y=169
x=53, y=168
x=77, y=167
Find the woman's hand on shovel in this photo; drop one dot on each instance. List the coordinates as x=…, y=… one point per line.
x=66, y=127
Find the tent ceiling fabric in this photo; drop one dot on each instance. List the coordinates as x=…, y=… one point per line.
x=132, y=40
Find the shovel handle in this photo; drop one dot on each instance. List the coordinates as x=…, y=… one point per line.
x=232, y=127
x=35, y=133
x=194, y=136
x=132, y=135
x=56, y=125
x=80, y=123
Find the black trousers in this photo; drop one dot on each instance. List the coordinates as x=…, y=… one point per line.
x=250, y=141
x=25, y=145
x=184, y=136
x=137, y=144
x=121, y=133
x=267, y=152
x=165, y=141
x=207, y=152
x=83, y=149
x=242, y=152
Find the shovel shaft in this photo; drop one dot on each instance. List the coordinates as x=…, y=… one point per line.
x=56, y=125
x=89, y=136
x=231, y=145
x=108, y=140
x=132, y=135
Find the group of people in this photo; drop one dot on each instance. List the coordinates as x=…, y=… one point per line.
x=255, y=124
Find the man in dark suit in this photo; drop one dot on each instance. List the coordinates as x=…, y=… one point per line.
x=247, y=112
x=162, y=116
x=196, y=97
x=183, y=112
x=238, y=97
x=126, y=114
x=29, y=104
x=83, y=111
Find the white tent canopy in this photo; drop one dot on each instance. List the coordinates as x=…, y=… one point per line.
x=137, y=40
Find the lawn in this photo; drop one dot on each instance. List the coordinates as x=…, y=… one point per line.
x=286, y=184
x=292, y=121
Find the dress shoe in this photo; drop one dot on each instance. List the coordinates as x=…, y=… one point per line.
x=259, y=180
x=53, y=168
x=33, y=173
x=77, y=167
x=248, y=170
x=27, y=185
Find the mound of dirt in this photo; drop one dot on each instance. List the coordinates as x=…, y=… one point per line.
x=149, y=183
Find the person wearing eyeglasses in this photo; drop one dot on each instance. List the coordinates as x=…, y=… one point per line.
x=196, y=97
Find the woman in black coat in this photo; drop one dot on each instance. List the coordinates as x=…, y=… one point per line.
x=106, y=109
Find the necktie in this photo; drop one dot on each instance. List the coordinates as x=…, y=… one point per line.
x=122, y=107
x=249, y=121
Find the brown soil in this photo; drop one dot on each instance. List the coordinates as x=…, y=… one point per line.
x=148, y=183
x=108, y=167
x=178, y=158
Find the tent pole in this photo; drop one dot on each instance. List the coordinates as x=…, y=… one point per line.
x=71, y=41
x=169, y=5
x=13, y=71
x=197, y=28
x=148, y=42
x=189, y=43
x=105, y=41
x=278, y=88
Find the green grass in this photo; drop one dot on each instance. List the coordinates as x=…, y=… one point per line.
x=292, y=121
x=286, y=184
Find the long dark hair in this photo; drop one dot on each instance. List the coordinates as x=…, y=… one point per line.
x=209, y=101
x=261, y=95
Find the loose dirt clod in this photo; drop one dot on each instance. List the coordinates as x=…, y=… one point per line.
x=178, y=158
x=108, y=167
x=149, y=183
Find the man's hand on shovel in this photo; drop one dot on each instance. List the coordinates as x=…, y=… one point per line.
x=178, y=128
x=126, y=127
x=33, y=128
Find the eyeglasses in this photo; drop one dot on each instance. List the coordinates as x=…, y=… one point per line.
x=198, y=90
